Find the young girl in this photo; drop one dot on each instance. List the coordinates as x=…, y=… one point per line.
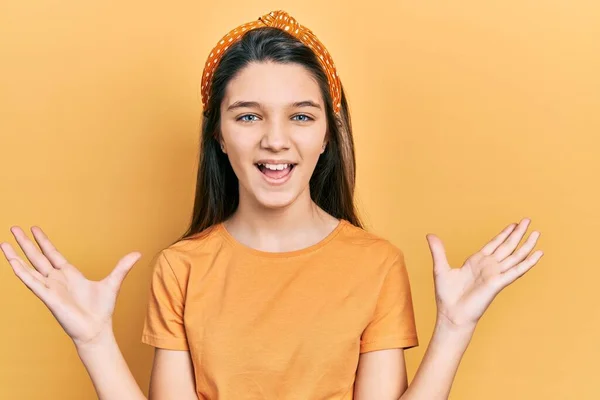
x=276, y=291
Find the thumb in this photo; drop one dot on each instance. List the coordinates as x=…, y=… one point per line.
x=118, y=274
x=438, y=253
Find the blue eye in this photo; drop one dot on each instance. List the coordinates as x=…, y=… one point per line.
x=242, y=118
x=249, y=118
x=303, y=115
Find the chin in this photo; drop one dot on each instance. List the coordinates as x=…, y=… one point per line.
x=275, y=200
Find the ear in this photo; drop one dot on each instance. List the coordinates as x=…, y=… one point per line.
x=324, y=146
x=219, y=139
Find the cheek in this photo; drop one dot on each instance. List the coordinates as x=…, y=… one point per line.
x=310, y=148
x=239, y=156
x=240, y=151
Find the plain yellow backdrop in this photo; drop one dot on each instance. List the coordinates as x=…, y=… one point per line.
x=467, y=116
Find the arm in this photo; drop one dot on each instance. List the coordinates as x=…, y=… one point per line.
x=382, y=374
x=172, y=376
x=84, y=309
x=462, y=296
x=172, y=372
x=435, y=375
x=108, y=370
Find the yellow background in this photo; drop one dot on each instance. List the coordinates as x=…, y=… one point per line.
x=468, y=115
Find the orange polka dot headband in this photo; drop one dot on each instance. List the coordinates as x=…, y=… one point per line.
x=281, y=20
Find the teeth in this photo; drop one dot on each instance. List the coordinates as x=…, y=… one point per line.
x=275, y=167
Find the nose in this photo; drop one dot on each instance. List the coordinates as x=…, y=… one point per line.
x=275, y=137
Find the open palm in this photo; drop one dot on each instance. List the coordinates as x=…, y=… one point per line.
x=83, y=308
x=463, y=294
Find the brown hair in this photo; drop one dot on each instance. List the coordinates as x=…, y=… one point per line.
x=217, y=187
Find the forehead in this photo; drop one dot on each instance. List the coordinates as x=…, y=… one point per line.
x=272, y=83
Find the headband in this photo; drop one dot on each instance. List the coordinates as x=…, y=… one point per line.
x=281, y=20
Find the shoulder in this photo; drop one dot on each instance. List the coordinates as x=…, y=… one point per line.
x=191, y=251
x=197, y=242
x=364, y=244
x=371, y=259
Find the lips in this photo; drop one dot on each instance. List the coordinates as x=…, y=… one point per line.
x=275, y=173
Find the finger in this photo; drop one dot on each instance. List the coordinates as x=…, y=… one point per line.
x=11, y=254
x=438, y=253
x=511, y=243
x=56, y=259
x=518, y=270
x=118, y=274
x=520, y=254
x=37, y=259
x=30, y=277
x=498, y=240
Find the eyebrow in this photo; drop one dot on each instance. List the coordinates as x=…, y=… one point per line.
x=255, y=104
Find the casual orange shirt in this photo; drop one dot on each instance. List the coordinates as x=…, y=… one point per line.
x=291, y=325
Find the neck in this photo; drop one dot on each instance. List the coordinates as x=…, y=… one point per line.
x=297, y=225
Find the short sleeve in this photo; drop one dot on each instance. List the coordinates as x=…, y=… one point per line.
x=393, y=322
x=163, y=325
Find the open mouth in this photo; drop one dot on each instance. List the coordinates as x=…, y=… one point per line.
x=275, y=171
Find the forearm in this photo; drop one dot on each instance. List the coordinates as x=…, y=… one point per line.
x=434, y=377
x=108, y=370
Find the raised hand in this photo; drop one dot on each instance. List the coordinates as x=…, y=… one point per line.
x=463, y=294
x=83, y=308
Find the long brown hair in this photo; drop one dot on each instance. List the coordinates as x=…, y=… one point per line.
x=217, y=187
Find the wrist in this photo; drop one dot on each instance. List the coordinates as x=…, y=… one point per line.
x=447, y=329
x=450, y=340
x=104, y=338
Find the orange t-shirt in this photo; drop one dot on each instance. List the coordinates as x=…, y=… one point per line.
x=291, y=325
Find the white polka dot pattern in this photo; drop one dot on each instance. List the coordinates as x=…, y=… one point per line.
x=281, y=20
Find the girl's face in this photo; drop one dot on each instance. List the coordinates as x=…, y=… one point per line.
x=273, y=129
